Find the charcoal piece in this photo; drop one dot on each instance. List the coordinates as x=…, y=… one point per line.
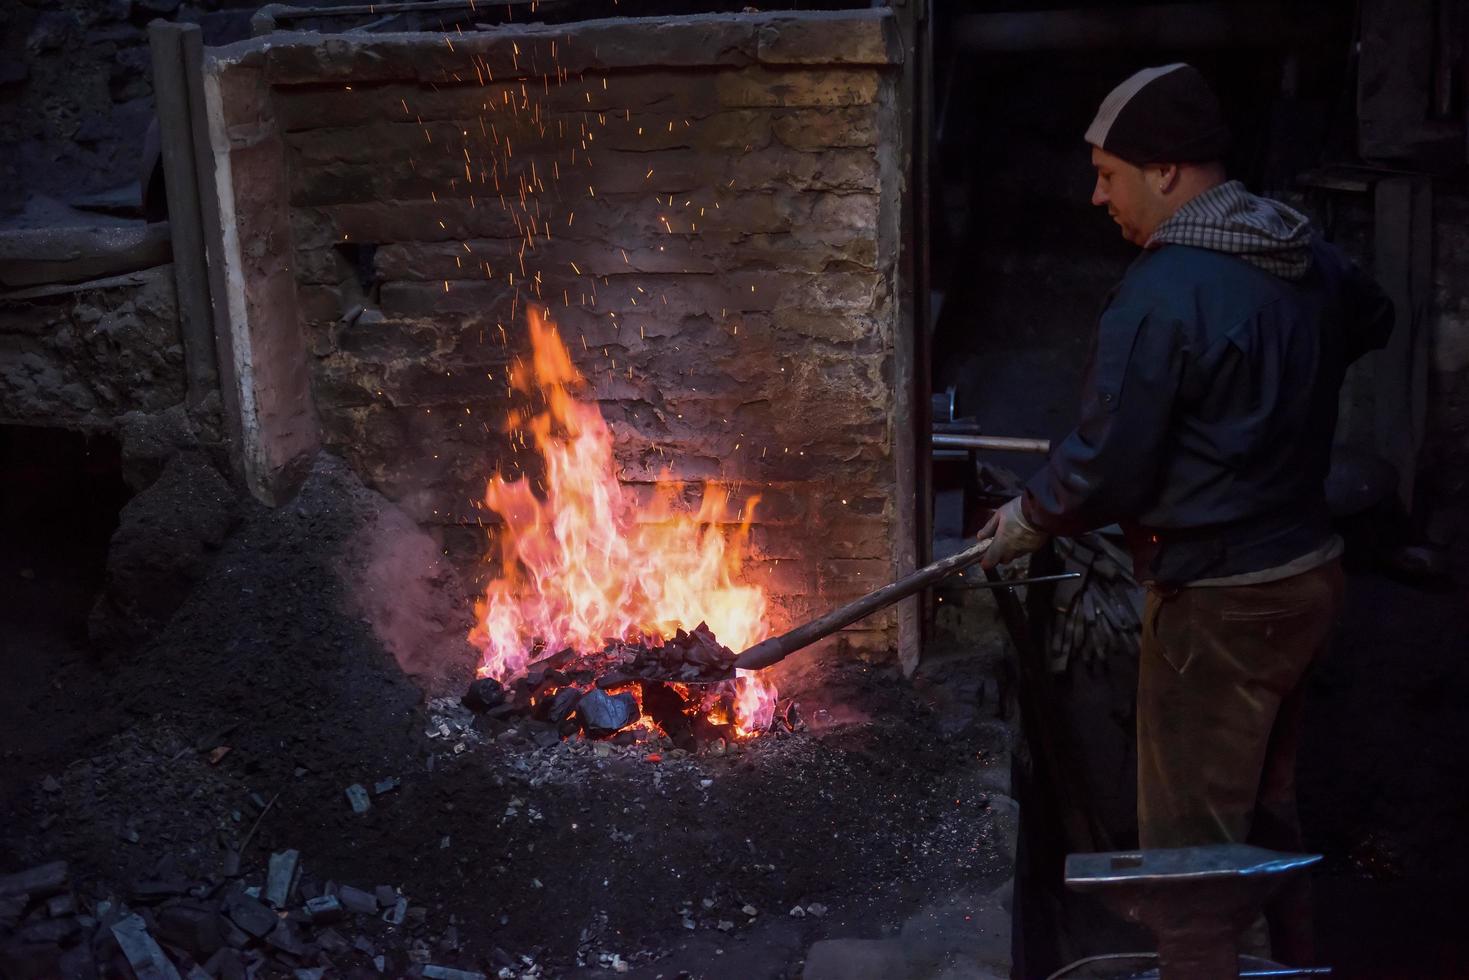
x=193, y=926
x=603, y=714
x=227, y=964
x=51, y=932
x=357, y=796
x=357, y=900
x=155, y=890
x=434, y=972
x=615, y=678
x=143, y=954
x=285, y=938
x=705, y=650
x=484, y=694
x=37, y=882
x=251, y=915
x=324, y=908
x=12, y=910
x=705, y=732
x=280, y=879
x=667, y=708
x=562, y=704
x=554, y=662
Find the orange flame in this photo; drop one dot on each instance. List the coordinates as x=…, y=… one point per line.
x=583, y=564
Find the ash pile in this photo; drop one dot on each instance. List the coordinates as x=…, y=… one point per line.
x=629, y=692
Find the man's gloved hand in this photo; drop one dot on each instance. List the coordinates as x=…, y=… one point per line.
x=1012, y=535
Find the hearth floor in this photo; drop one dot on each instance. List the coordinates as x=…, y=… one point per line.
x=882, y=828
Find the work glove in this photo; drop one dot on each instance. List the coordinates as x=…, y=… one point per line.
x=1011, y=535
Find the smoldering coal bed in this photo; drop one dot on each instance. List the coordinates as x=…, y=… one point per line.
x=684, y=689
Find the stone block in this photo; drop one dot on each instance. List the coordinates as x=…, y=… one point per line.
x=336, y=184
x=835, y=37
x=417, y=299
x=825, y=87
x=429, y=383
x=42, y=256
x=512, y=51
x=856, y=214
x=245, y=98
x=321, y=303
x=829, y=170
x=828, y=128
x=738, y=130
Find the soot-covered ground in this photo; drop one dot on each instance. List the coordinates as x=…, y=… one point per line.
x=325, y=648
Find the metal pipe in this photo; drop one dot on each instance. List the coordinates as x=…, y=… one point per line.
x=999, y=444
x=952, y=584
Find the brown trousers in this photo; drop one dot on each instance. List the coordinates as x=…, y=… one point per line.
x=1220, y=691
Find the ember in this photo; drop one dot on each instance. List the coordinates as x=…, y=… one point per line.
x=610, y=585
x=684, y=687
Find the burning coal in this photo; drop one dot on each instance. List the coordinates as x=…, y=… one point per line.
x=585, y=570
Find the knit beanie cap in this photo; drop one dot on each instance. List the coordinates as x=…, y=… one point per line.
x=1166, y=114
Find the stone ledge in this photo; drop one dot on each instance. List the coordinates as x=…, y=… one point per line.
x=847, y=37
x=43, y=256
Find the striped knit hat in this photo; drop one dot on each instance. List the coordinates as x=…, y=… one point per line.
x=1161, y=115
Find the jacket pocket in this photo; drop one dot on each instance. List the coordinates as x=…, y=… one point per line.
x=1116, y=334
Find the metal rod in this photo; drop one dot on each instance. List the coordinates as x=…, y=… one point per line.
x=1060, y=577
x=1003, y=444
x=777, y=648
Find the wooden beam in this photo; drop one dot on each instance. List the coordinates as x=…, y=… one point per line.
x=181, y=182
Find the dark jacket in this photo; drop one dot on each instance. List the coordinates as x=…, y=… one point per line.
x=1208, y=411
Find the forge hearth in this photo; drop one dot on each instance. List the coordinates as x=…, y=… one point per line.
x=708, y=207
x=683, y=689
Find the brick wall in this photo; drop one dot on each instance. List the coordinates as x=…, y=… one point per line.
x=707, y=206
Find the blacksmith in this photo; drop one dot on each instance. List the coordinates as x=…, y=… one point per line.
x=1206, y=428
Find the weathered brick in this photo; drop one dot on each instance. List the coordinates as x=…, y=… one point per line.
x=371, y=337
x=827, y=325
x=855, y=575
x=413, y=299
x=245, y=98
x=798, y=87
x=319, y=303
x=738, y=130
x=513, y=51
x=341, y=184
x=806, y=129
x=853, y=37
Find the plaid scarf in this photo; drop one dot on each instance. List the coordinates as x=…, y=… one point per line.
x=1230, y=219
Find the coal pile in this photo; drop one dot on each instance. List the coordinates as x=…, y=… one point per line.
x=685, y=689
x=275, y=921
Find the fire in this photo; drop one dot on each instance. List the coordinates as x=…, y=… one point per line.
x=582, y=562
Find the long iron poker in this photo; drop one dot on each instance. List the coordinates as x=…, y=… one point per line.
x=777, y=648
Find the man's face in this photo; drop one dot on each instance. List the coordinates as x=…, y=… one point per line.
x=1130, y=197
